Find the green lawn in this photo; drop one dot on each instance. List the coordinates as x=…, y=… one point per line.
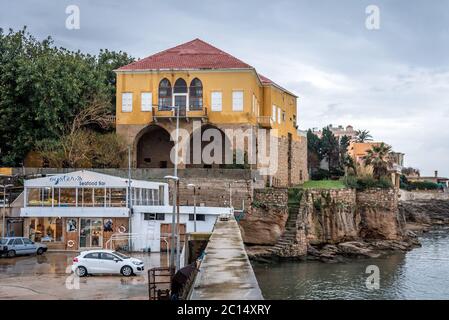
x=323, y=184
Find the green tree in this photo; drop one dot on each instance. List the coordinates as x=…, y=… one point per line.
x=379, y=158
x=313, y=150
x=330, y=150
x=107, y=62
x=363, y=136
x=346, y=162
x=43, y=88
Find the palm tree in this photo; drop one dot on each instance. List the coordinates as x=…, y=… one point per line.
x=363, y=136
x=379, y=158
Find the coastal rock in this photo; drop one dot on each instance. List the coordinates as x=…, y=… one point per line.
x=379, y=215
x=264, y=222
x=336, y=225
x=357, y=249
x=329, y=216
x=425, y=212
x=264, y=226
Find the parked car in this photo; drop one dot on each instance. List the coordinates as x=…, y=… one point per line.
x=106, y=262
x=12, y=246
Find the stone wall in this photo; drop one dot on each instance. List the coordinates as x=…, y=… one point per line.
x=217, y=192
x=299, y=161
x=330, y=216
x=265, y=222
x=272, y=197
x=379, y=214
x=423, y=195
x=281, y=176
x=297, y=164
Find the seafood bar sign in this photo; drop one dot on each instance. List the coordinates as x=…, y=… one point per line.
x=76, y=180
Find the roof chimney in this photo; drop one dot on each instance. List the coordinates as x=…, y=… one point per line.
x=436, y=173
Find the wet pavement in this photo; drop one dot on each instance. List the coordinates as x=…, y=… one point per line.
x=49, y=277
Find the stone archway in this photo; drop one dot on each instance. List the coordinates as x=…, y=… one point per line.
x=223, y=145
x=153, y=148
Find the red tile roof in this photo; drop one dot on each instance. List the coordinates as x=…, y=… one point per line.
x=264, y=79
x=195, y=54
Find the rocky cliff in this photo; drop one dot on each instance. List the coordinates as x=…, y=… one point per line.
x=380, y=218
x=333, y=224
x=422, y=214
x=265, y=221
x=330, y=216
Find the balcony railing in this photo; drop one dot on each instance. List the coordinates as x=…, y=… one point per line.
x=170, y=113
x=265, y=121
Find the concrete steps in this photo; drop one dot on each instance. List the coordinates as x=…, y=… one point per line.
x=289, y=235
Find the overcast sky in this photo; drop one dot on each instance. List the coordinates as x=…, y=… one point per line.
x=393, y=81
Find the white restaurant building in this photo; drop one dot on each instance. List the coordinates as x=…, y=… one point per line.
x=84, y=209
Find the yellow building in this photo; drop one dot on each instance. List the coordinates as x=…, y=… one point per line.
x=214, y=89
x=358, y=150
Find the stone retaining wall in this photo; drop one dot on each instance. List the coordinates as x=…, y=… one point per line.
x=330, y=216
x=423, y=195
x=379, y=214
x=265, y=222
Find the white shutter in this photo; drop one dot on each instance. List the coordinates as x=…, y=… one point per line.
x=216, y=103
x=127, y=102
x=146, y=101
x=279, y=115
x=254, y=104
x=237, y=101
x=273, y=113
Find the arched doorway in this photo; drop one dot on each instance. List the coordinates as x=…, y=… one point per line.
x=153, y=148
x=217, y=142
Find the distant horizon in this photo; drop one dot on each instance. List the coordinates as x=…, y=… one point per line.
x=393, y=81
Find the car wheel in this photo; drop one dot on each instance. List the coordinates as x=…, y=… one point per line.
x=11, y=253
x=40, y=251
x=81, y=271
x=126, y=271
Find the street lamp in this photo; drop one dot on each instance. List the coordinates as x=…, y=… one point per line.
x=175, y=178
x=4, y=186
x=174, y=224
x=193, y=186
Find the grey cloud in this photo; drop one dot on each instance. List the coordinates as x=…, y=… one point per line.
x=393, y=82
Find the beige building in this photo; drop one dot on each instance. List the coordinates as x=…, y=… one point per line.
x=339, y=131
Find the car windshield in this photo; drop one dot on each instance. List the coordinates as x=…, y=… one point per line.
x=121, y=255
x=3, y=241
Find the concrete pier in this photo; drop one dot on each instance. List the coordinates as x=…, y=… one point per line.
x=226, y=273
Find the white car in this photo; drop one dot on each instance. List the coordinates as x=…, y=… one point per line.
x=106, y=262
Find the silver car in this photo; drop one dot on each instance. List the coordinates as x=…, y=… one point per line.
x=12, y=246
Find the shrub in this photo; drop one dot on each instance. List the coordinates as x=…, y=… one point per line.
x=320, y=174
x=366, y=182
x=369, y=182
x=350, y=181
x=423, y=185
x=418, y=185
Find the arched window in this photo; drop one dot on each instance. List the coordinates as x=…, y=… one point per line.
x=180, y=86
x=196, y=95
x=165, y=94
